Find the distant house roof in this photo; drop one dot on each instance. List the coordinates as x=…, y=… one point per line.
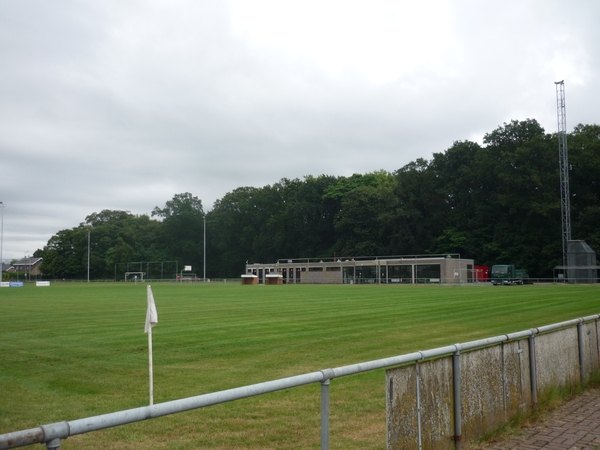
x=25, y=264
x=31, y=261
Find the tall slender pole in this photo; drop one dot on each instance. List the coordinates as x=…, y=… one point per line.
x=151, y=320
x=88, y=267
x=150, y=366
x=1, y=242
x=325, y=414
x=204, y=248
x=457, y=402
x=563, y=162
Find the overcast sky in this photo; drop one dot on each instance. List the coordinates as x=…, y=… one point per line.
x=122, y=104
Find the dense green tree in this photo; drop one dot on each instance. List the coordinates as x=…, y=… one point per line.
x=65, y=255
x=114, y=237
x=526, y=223
x=303, y=225
x=234, y=225
x=461, y=175
x=495, y=203
x=584, y=183
x=364, y=221
x=421, y=210
x=118, y=237
x=290, y=219
x=182, y=230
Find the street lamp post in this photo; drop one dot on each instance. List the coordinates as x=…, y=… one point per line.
x=88, y=261
x=204, y=245
x=1, y=242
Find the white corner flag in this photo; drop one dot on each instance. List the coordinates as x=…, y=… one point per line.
x=151, y=320
x=151, y=314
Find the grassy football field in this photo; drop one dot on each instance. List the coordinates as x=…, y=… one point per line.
x=76, y=350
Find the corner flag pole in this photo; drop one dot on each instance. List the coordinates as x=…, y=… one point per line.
x=150, y=367
x=151, y=320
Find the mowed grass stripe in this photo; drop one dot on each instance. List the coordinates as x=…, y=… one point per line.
x=75, y=350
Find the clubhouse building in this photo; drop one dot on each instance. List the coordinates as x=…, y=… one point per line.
x=439, y=269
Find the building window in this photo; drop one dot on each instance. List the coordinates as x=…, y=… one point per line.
x=428, y=273
x=400, y=274
x=366, y=274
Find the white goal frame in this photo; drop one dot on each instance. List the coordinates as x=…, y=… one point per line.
x=141, y=274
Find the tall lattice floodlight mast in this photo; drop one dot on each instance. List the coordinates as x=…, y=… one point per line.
x=563, y=161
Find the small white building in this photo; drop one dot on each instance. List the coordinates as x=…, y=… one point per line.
x=446, y=269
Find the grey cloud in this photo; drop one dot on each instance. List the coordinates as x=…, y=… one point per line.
x=121, y=105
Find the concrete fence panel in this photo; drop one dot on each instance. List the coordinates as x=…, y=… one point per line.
x=495, y=385
x=402, y=408
x=495, y=379
x=419, y=409
x=557, y=358
x=518, y=377
x=591, y=347
x=436, y=402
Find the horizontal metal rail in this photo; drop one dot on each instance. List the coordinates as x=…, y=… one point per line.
x=62, y=430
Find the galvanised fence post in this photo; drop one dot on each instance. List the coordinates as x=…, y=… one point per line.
x=419, y=431
x=54, y=444
x=533, y=368
x=581, y=351
x=456, y=387
x=328, y=374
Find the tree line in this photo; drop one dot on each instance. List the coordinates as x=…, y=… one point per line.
x=495, y=203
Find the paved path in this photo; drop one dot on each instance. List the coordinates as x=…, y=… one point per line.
x=573, y=426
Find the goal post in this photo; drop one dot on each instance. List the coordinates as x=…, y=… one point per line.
x=153, y=270
x=134, y=276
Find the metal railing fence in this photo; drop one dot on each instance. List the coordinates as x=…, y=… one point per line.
x=52, y=434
